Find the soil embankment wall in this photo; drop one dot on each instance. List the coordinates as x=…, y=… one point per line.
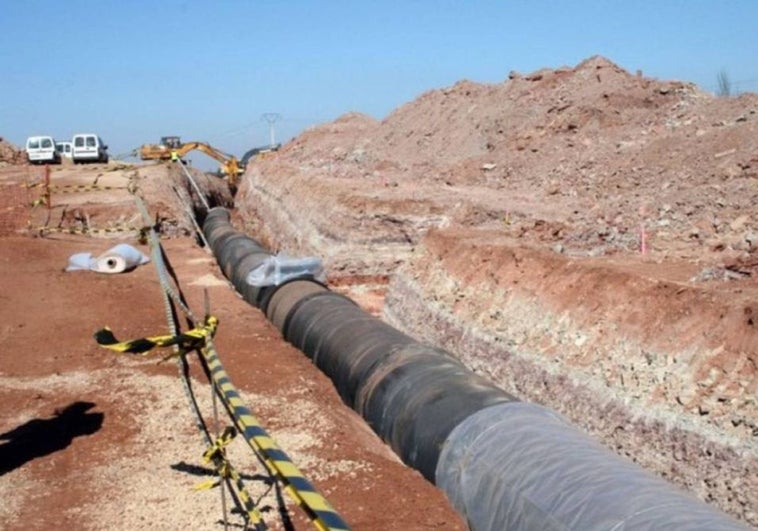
x=536, y=195
x=659, y=369
x=626, y=357
x=491, y=454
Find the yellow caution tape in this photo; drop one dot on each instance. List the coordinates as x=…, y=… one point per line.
x=44, y=199
x=207, y=485
x=322, y=514
x=219, y=444
x=73, y=188
x=88, y=230
x=217, y=456
x=188, y=340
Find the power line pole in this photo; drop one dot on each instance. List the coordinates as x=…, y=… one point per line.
x=271, y=118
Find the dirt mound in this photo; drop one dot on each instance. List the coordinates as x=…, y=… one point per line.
x=589, y=156
x=625, y=193
x=10, y=154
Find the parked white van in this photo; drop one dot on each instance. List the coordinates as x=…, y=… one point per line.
x=41, y=149
x=63, y=149
x=88, y=147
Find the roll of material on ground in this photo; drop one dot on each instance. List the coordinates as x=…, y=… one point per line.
x=117, y=259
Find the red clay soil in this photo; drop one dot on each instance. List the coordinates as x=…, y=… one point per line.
x=585, y=237
x=92, y=439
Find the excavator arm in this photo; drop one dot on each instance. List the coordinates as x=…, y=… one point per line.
x=230, y=166
x=229, y=163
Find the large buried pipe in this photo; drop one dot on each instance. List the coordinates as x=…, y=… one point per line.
x=504, y=464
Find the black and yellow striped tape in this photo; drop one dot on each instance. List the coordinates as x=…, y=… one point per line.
x=221, y=442
x=90, y=230
x=191, y=339
x=322, y=514
x=217, y=456
x=74, y=188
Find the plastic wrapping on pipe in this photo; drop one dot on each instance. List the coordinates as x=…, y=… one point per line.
x=412, y=395
x=243, y=266
x=416, y=396
x=277, y=269
x=252, y=269
x=520, y=466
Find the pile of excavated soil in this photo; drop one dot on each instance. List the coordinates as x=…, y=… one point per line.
x=10, y=154
x=586, y=237
x=578, y=159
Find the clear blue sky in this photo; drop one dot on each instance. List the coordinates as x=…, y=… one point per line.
x=133, y=71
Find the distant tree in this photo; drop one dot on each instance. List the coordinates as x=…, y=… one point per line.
x=724, y=84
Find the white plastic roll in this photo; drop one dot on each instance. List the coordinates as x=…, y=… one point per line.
x=120, y=258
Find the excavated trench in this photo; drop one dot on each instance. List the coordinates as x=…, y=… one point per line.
x=645, y=397
x=659, y=369
x=504, y=463
x=499, y=311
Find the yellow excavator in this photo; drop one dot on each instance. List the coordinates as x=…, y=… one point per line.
x=230, y=166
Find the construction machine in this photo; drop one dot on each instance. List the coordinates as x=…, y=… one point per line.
x=230, y=166
x=161, y=151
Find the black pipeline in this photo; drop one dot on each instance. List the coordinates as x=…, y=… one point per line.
x=503, y=463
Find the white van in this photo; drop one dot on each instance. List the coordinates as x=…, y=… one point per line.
x=63, y=149
x=88, y=147
x=41, y=149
